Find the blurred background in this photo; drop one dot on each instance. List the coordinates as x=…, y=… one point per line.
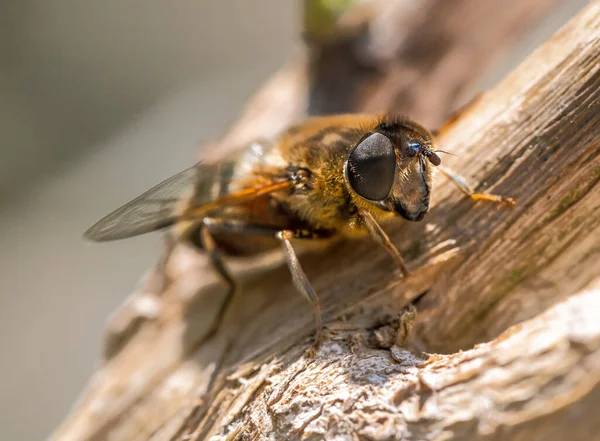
x=98, y=102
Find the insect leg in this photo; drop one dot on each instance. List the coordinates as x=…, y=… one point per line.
x=382, y=239
x=460, y=182
x=299, y=278
x=208, y=243
x=301, y=282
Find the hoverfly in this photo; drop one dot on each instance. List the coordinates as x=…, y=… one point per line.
x=325, y=177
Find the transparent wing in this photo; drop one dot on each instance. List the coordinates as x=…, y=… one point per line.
x=156, y=208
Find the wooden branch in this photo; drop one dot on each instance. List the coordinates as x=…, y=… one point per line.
x=481, y=270
x=414, y=58
x=539, y=380
x=418, y=59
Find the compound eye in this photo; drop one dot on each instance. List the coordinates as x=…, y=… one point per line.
x=371, y=167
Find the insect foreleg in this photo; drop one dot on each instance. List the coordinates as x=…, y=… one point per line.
x=460, y=182
x=382, y=239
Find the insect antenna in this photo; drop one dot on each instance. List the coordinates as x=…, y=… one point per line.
x=445, y=152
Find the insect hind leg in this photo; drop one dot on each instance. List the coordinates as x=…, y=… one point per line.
x=462, y=185
x=216, y=260
x=301, y=282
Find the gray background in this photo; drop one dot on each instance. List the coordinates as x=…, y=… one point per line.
x=99, y=101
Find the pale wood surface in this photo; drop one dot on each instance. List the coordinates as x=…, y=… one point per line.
x=483, y=271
